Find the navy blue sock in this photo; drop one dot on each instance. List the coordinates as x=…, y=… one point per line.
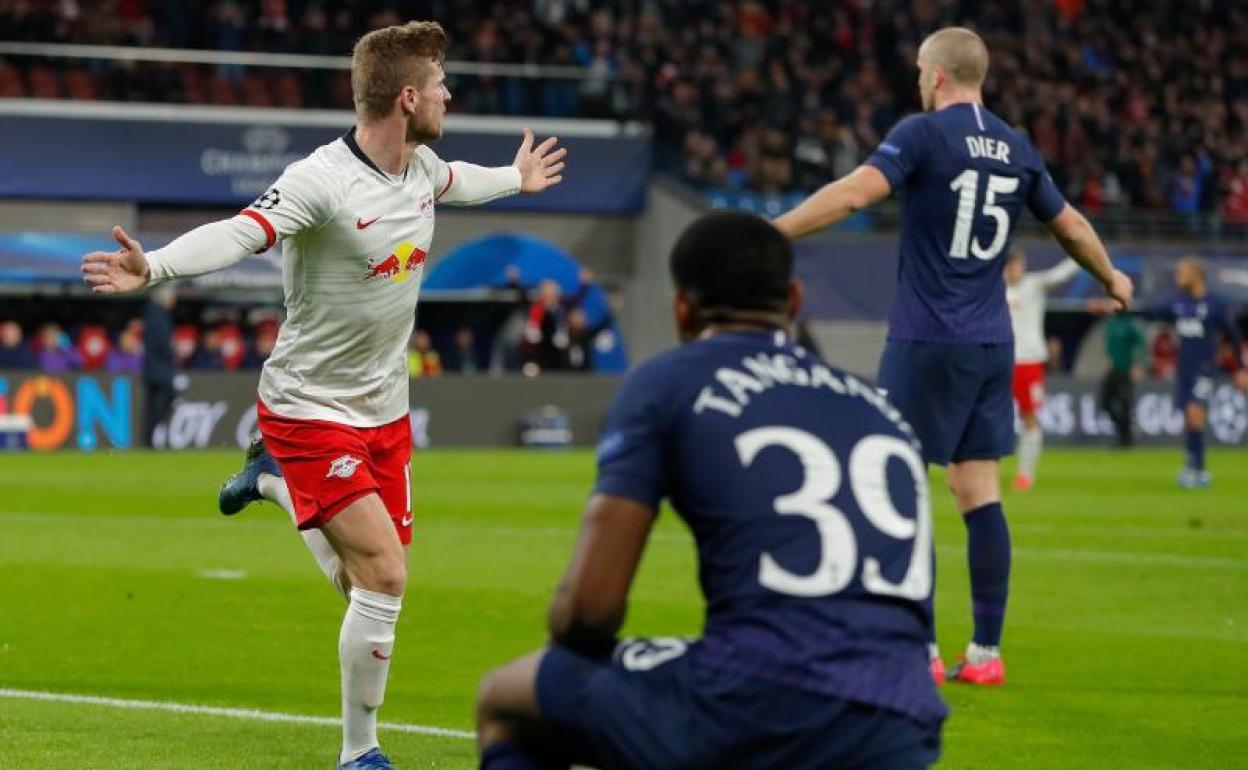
x=1196, y=450
x=511, y=755
x=988, y=556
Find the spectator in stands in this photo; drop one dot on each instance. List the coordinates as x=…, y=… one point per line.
x=546, y=331
x=262, y=346
x=464, y=359
x=93, y=347
x=13, y=354
x=55, y=354
x=209, y=355
x=127, y=356
x=582, y=339
x=422, y=359
x=158, y=360
x=1056, y=362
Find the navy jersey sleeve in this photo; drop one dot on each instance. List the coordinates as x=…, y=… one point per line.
x=630, y=452
x=901, y=152
x=1044, y=199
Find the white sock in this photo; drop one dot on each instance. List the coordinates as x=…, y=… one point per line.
x=364, y=648
x=981, y=653
x=1029, y=445
x=273, y=488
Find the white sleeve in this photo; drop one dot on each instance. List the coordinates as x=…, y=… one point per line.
x=1063, y=272
x=205, y=249
x=467, y=184
x=304, y=197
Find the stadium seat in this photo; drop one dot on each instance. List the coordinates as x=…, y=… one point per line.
x=45, y=83
x=11, y=85
x=289, y=90
x=233, y=347
x=256, y=91
x=80, y=84
x=222, y=91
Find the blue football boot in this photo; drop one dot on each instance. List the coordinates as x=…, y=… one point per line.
x=240, y=489
x=373, y=760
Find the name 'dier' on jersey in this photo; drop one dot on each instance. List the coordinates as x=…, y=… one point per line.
x=807, y=497
x=963, y=176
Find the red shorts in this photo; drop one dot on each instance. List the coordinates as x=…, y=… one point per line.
x=1029, y=387
x=329, y=465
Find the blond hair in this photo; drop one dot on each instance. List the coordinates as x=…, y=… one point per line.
x=387, y=59
x=960, y=53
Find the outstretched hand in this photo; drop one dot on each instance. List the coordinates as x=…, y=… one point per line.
x=540, y=166
x=117, y=272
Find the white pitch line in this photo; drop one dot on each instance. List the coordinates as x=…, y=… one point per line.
x=254, y=715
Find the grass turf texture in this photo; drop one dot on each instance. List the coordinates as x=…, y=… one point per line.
x=1127, y=639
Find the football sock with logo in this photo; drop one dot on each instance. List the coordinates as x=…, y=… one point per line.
x=510, y=755
x=273, y=488
x=1029, y=445
x=364, y=648
x=1195, y=441
x=988, y=556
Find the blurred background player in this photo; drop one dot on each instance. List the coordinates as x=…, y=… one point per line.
x=1126, y=350
x=1026, y=295
x=814, y=649
x=357, y=220
x=964, y=177
x=1199, y=316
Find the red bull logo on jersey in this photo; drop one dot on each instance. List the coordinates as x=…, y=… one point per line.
x=398, y=265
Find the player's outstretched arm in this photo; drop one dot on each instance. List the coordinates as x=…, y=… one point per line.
x=120, y=271
x=1081, y=243
x=834, y=201
x=205, y=249
x=590, y=603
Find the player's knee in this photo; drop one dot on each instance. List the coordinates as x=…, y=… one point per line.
x=384, y=572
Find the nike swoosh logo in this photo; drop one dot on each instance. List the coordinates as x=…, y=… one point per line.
x=377, y=654
x=360, y=224
x=406, y=521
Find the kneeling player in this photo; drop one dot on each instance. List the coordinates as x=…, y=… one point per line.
x=807, y=496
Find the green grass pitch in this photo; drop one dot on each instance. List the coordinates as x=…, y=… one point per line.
x=1127, y=639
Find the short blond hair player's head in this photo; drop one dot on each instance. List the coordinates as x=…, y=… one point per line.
x=396, y=74
x=953, y=63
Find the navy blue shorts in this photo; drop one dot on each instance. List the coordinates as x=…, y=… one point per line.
x=1193, y=387
x=957, y=397
x=652, y=708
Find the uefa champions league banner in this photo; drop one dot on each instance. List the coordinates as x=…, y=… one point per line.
x=99, y=411
x=229, y=156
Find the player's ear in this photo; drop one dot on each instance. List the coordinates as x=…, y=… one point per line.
x=686, y=316
x=796, y=295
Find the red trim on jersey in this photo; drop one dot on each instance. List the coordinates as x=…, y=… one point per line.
x=450, y=180
x=270, y=235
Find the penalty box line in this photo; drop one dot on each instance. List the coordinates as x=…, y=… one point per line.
x=254, y=715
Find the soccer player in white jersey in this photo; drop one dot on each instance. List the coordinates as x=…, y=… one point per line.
x=1026, y=294
x=356, y=218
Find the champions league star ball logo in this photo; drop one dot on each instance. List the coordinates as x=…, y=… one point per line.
x=1228, y=414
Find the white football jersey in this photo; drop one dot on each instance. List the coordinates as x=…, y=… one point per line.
x=354, y=243
x=1027, y=299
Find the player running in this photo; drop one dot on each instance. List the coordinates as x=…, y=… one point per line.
x=1198, y=316
x=356, y=217
x=807, y=497
x=964, y=177
x=1026, y=295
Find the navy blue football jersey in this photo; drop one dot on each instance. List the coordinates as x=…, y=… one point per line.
x=963, y=176
x=1198, y=323
x=807, y=496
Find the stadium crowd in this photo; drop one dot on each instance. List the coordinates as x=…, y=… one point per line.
x=761, y=95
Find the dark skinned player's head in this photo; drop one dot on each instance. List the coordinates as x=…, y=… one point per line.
x=733, y=269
